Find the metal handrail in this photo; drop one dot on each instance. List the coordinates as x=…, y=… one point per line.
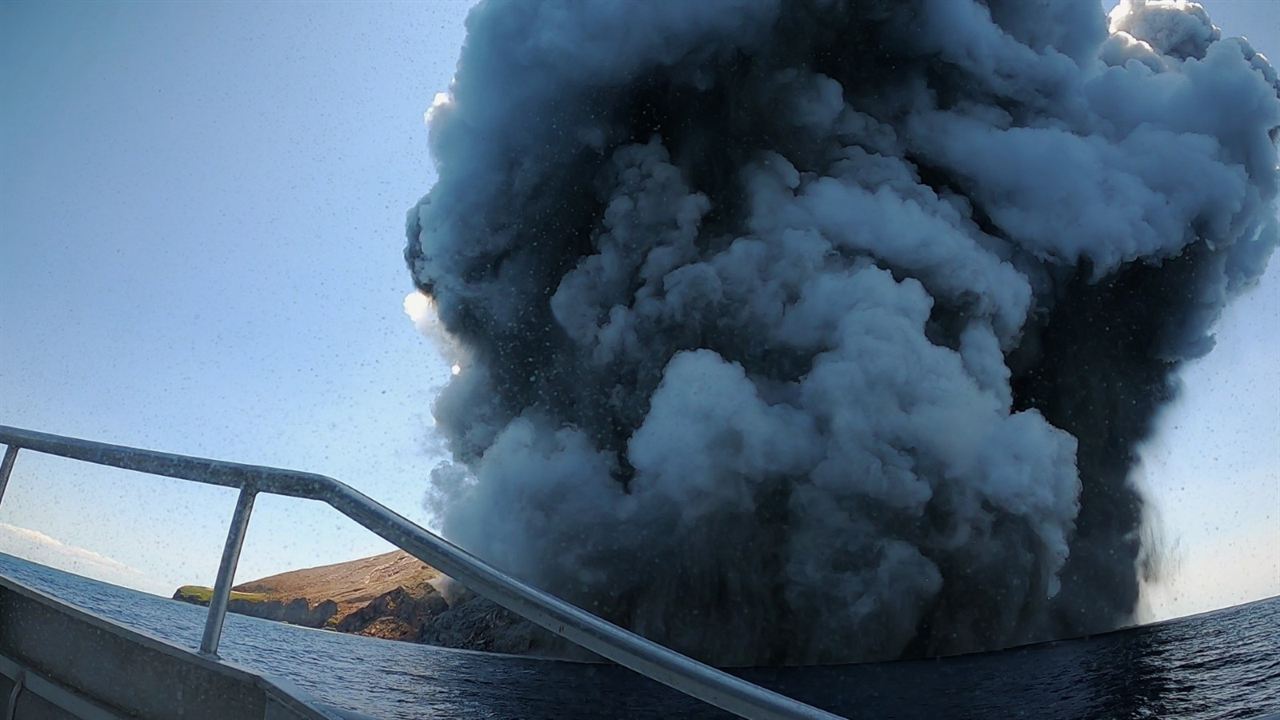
x=624, y=647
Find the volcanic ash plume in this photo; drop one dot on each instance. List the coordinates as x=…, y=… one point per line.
x=818, y=331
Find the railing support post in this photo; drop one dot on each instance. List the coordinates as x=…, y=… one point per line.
x=227, y=571
x=569, y=621
x=6, y=467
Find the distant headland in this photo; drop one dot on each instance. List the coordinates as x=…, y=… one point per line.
x=393, y=596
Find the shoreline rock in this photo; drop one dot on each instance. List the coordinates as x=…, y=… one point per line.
x=295, y=611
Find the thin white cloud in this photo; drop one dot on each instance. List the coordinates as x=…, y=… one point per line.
x=47, y=550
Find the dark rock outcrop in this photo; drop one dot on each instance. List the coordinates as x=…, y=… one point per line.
x=298, y=611
x=401, y=614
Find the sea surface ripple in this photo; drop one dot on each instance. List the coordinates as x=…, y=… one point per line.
x=1219, y=665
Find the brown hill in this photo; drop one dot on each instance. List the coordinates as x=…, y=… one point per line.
x=393, y=596
x=350, y=585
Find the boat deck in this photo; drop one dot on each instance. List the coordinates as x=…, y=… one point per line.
x=92, y=653
x=60, y=662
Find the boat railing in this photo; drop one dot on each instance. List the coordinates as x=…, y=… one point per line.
x=583, y=628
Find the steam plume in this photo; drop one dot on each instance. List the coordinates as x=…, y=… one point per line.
x=813, y=331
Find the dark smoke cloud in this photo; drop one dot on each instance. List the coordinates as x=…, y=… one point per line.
x=813, y=331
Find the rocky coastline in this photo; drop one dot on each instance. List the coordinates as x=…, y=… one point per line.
x=392, y=596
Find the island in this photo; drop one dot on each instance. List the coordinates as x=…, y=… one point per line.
x=393, y=596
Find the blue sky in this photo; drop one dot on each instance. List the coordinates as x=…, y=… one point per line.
x=201, y=224
x=202, y=216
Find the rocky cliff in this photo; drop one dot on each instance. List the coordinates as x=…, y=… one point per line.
x=297, y=611
x=393, y=596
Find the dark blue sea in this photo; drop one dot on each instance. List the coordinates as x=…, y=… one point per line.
x=1219, y=665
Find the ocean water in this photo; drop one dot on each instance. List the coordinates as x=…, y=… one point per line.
x=1220, y=665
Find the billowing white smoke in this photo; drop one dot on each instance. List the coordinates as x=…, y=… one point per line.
x=813, y=331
